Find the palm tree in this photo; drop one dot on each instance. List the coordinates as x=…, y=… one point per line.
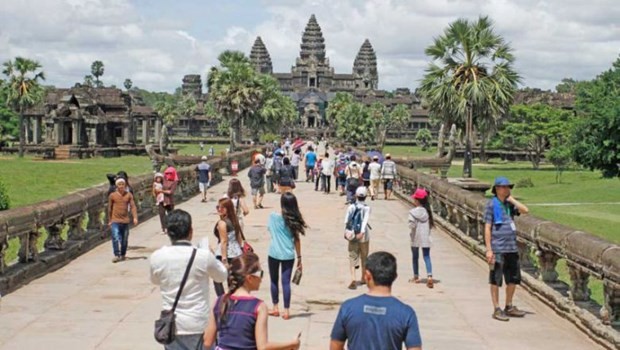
x=235, y=91
x=471, y=77
x=23, y=90
x=96, y=69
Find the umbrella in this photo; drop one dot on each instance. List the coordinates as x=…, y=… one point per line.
x=299, y=143
x=373, y=153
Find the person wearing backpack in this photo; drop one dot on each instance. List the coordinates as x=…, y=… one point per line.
x=340, y=173
x=275, y=170
x=357, y=233
x=354, y=176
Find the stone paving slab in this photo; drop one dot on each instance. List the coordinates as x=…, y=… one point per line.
x=94, y=304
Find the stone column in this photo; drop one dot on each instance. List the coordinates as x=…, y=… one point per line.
x=58, y=126
x=548, y=261
x=75, y=135
x=579, y=283
x=36, y=139
x=157, y=129
x=27, y=129
x=145, y=131
x=126, y=133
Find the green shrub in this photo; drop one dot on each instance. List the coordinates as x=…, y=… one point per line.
x=526, y=182
x=5, y=201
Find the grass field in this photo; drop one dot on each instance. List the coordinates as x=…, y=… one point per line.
x=194, y=148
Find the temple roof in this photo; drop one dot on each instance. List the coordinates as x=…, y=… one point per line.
x=312, y=42
x=365, y=59
x=259, y=56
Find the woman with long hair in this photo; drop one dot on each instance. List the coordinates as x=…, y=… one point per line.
x=285, y=229
x=237, y=194
x=239, y=320
x=158, y=193
x=421, y=223
x=229, y=236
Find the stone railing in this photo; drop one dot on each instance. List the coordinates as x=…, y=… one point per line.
x=541, y=244
x=49, y=234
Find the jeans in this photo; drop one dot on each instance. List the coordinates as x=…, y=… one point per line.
x=186, y=342
x=287, y=269
x=295, y=171
x=269, y=183
x=120, y=234
x=426, y=253
x=316, y=183
x=326, y=182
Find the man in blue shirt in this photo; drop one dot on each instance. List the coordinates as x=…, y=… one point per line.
x=500, y=237
x=310, y=158
x=376, y=320
x=204, y=177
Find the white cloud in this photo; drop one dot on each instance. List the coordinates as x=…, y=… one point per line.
x=552, y=39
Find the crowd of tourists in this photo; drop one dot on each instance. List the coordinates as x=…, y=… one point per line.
x=237, y=319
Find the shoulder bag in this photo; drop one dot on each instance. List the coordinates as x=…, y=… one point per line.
x=165, y=327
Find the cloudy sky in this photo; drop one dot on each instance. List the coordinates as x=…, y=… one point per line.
x=156, y=42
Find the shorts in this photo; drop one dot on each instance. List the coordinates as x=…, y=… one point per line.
x=388, y=184
x=257, y=190
x=506, y=268
x=358, y=252
x=342, y=181
x=202, y=186
x=366, y=183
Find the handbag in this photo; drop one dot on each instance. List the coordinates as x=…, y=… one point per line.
x=165, y=327
x=247, y=248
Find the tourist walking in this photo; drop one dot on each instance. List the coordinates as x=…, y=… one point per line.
x=420, y=225
x=285, y=176
x=340, y=173
x=354, y=176
x=229, y=236
x=170, y=187
x=204, y=177
x=327, y=169
x=238, y=319
x=236, y=193
x=375, y=177
x=318, y=166
x=158, y=194
x=120, y=203
x=112, y=180
x=192, y=310
x=358, y=214
x=500, y=237
x=295, y=159
x=269, y=173
x=377, y=320
x=275, y=170
x=285, y=229
x=257, y=183
x=309, y=161
x=388, y=174
x=366, y=173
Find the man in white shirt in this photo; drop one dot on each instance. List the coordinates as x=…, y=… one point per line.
x=327, y=168
x=168, y=265
x=358, y=247
x=375, y=177
x=388, y=174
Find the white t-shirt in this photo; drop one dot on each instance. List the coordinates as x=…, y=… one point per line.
x=168, y=265
x=328, y=167
x=375, y=170
x=354, y=170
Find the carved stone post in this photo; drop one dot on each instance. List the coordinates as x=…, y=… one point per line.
x=94, y=225
x=610, y=312
x=75, y=227
x=4, y=246
x=36, y=133
x=28, y=247
x=579, y=290
x=54, y=241
x=157, y=130
x=524, y=256
x=75, y=137
x=548, y=261
x=126, y=132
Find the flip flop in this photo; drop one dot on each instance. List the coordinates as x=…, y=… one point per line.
x=286, y=316
x=274, y=313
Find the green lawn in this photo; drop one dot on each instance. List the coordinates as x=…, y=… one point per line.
x=408, y=151
x=194, y=148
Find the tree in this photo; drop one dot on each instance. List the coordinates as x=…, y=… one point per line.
x=96, y=69
x=534, y=128
x=88, y=81
x=336, y=107
x=424, y=137
x=168, y=112
x=354, y=124
x=560, y=156
x=235, y=91
x=9, y=120
x=388, y=119
x=568, y=85
x=471, y=77
x=23, y=90
x=596, y=140
x=127, y=84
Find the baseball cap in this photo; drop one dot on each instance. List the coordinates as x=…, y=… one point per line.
x=387, y=155
x=502, y=181
x=360, y=192
x=375, y=157
x=203, y=157
x=420, y=193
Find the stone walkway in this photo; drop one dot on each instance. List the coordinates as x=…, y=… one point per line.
x=94, y=304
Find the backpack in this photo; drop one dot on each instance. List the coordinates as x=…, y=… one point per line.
x=353, y=230
x=277, y=164
x=341, y=169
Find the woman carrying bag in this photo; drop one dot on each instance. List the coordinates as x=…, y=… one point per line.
x=229, y=236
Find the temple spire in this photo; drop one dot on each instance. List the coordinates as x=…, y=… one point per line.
x=365, y=65
x=312, y=42
x=259, y=56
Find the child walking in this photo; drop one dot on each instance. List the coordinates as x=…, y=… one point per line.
x=420, y=224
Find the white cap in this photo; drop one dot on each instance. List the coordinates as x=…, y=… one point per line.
x=360, y=192
x=203, y=157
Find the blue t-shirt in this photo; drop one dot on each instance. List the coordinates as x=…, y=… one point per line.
x=376, y=323
x=503, y=235
x=203, y=172
x=310, y=159
x=282, y=245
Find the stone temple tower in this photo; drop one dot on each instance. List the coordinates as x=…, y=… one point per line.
x=259, y=56
x=365, y=66
x=312, y=42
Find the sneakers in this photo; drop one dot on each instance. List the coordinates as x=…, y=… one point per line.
x=429, y=282
x=499, y=315
x=513, y=311
x=353, y=285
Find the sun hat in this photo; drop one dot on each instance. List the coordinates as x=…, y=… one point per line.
x=420, y=193
x=119, y=180
x=387, y=155
x=361, y=192
x=501, y=181
x=375, y=157
x=158, y=175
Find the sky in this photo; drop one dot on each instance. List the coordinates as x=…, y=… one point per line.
x=156, y=42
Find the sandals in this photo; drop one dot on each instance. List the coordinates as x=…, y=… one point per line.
x=415, y=279
x=274, y=313
x=429, y=282
x=286, y=316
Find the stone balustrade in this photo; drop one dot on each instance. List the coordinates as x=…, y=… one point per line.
x=541, y=245
x=50, y=234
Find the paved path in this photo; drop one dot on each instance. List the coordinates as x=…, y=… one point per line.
x=94, y=304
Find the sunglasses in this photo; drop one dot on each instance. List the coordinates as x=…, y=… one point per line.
x=259, y=273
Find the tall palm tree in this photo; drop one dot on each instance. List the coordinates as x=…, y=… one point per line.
x=235, y=91
x=96, y=69
x=471, y=77
x=23, y=90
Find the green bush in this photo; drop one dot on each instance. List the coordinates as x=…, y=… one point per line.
x=5, y=201
x=524, y=183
